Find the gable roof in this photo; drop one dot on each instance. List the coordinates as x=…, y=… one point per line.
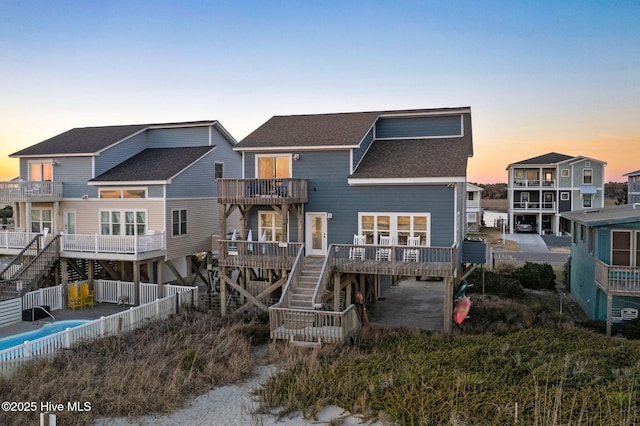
x=338, y=130
x=550, y=158
x=636, y=173
x=414, y=159
x=626, y=213
x=90, y=140
x=154, y=164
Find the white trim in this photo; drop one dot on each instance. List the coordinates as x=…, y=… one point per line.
x=143, y=188
x=441, y=180
x=351, y=162
x=215, y=179
x=562, y=173
x=454, y=111
x=186, y=222
x=275, y=215
x=393, y=225
x=373, y=139
x=242, y=153
x=119, y=141
x=592, y=180
x=133, y=182
x=295, y=148
x=123, y=224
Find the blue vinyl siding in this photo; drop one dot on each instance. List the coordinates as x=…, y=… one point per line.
x=196, y=181
x=582, y=283
x=412, y=127
x=155, y=191
x=114, y=155
x=328, y=191
x=74, y=172
x=185, y=136
x=364, y=146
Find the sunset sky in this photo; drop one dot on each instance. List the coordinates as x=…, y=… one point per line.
x=539, y=76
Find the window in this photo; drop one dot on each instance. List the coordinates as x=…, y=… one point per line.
x=398, y=226
x=592, y=239
x=574, y=233
x=564, y=172
x=587, y=176
x=586, y=200
x=218, y=170
x=40, y=219
x=270, y=223
x=123, y=193
x=273, y=166
x=621, y=252
x=123, y=222
x=470, y=196
x=41, y=171
x=178, y=222
x=564, y=196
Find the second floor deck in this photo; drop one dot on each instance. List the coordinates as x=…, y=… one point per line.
x=30, y=191
x=262, y=191
x=617, y=280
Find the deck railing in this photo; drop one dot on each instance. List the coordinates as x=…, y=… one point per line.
x=257, y=254
x=535, y=205
x=114, y=291
x=617, y=279
x=262, y=191
x=30, y=191
x=292, y=280
x=310, y=326
x=16, y=239
x=117, y=244
x=529, y=183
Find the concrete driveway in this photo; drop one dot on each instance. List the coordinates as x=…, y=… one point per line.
x=532, y=243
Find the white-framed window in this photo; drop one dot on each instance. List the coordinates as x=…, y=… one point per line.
x=586, y=200
x=625, y=248
x=178, y=222
x=270, y=166
x=398, y=226
x=218, y=170
x=564, y=196
x=40, y=219
x=472, y=217
x=123, y=222
x=41, y=171
x=470, y=196
x=270, y=223
x=122, y=193
x=587, y=176
x=564, y=172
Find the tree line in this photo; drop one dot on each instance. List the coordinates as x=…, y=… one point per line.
x=614, y=190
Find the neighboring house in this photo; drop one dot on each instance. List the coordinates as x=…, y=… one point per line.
x=474, y=207
x=540, y=188
x=125, y=202
x=633, y=187
x=392, y=177
x=605, y=260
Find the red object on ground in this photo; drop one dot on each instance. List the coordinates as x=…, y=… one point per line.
x=461, y=310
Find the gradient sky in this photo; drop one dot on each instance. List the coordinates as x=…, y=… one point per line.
x=539, y=76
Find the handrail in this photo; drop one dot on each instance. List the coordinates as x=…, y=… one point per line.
x=19, y=260
x=325, y=275
x=293, y=277
x=44, y=310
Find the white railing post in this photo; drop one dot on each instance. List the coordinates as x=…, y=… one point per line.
x=95, y=247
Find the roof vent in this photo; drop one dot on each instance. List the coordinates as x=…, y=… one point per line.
x=591, y=211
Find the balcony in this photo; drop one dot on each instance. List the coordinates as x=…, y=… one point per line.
x=618, y=280
x=124, y=247
x=262, y=191
x=30, y=191
x=535, y=206
x=534, y=183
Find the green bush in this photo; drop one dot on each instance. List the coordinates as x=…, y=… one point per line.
x=496, y=284
x=536, y=276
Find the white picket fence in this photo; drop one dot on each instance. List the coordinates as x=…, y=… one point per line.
x=111, y=291
x=116, y=324
x=50, y=296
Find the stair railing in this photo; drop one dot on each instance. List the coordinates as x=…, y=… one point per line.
x=324, y=278
x=292, y=281
x=24, y=257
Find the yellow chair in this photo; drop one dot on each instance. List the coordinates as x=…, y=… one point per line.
x=86, y=295
x=75, y=300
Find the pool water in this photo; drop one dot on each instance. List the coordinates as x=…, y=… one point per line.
x=18, y=339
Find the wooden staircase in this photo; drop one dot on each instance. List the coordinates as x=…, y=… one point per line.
x=302, y=296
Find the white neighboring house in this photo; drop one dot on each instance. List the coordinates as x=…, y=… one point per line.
x=474, y=207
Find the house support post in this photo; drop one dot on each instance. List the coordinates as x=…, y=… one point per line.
x=159, y=267
x=136, y=282
x=336, y=291
x=90, y=274
x=609, y=317
x=64, y=277
x=448, y=305
x=223, y=292
x=223, y=221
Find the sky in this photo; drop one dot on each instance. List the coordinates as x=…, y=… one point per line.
x=539, y=76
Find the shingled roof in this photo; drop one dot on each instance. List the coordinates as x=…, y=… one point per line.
x=89, y=140
x=339, y=129
x=414, y=159
x=154, y=164
x=550, y=158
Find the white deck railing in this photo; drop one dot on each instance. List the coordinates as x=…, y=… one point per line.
x=122, y=322
x=33, y=191
x=618, y=279
x=110, y=291
x=50, y=296
x=16, y=239
x=118, y=244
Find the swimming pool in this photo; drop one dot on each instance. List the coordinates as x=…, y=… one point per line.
x=47, y=330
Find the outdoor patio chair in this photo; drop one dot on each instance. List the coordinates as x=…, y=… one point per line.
x=629, y=314
x=357, y=252
x=384, y=253
x=75, y=300
x=86, y=295
x=412, y=255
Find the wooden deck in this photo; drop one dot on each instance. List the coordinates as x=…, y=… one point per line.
x=30, y=191
x=262, y=191
x=257, y=254
x=618, y=280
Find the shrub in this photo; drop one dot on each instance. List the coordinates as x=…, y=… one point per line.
x=495, y=284
x=536, y=276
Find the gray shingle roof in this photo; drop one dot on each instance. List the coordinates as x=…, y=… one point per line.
x=636, y=173
x=154, y=164
x=340, y=129
x=415, y=158
x=89, y=140
x=605, y=216
x=550, y=158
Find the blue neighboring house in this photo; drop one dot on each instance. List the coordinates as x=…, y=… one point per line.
x=392, y=177
x=605, y=260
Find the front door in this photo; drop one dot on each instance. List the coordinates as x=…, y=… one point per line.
x=316, y=234
x=70, y=222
